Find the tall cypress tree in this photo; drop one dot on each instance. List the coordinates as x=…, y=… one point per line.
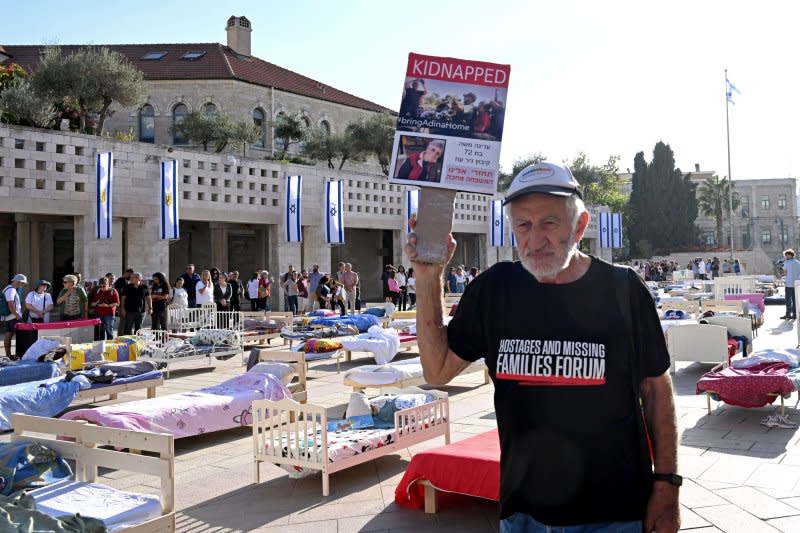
x=663, y=204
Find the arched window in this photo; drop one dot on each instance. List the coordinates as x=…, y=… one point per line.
x=261, y=124
x=147, y=124
x=325, y=127
x=178, y=113
x=307, y=127
x=209, y=109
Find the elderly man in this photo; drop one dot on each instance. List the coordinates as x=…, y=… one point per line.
x=11, y=309
x=349, y=279
x=575, y=377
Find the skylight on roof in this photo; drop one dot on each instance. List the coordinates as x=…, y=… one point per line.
x=153, y=56
x=193, y=55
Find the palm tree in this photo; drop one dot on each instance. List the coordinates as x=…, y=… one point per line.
x=714, y=200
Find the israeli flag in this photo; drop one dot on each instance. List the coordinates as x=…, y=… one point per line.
x=169, y=201
x=334, y=226
x=294, y=193
x=105, y=180
x=412, y=207
x=731, y=89
x=616, y=230
x=498, y=223
x=605, y=229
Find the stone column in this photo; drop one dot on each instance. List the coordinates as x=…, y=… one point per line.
x=147, y=253
x=7, y=235
x=315, y=250
x=219, y=245
x=94, y=257
x=483, y=252
x=27, y=246
x=261, y=242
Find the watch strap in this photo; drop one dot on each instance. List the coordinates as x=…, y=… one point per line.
x=672, y=479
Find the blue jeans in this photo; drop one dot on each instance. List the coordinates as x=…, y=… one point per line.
x=523, y=523
x=107, y=327
x=790, y=302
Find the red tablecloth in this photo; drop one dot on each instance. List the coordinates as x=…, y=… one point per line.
x=470, y=466
x=67, y=324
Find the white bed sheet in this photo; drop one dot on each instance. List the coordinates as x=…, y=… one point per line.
x=386, y=374
x=117, y=509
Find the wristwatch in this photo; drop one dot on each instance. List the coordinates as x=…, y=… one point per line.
x=672, y=479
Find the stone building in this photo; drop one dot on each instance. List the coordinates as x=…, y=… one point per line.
x=768, y=216
x=212, y=77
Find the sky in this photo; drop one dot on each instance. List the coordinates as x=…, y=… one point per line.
x=600, y=77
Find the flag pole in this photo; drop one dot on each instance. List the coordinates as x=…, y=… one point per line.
x=730, y=177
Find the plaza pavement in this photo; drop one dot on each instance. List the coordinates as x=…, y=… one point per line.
x=739, y=475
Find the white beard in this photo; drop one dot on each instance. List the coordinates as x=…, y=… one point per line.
x=552, y=270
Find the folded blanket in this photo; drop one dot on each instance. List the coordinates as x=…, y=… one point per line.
x=383, y=343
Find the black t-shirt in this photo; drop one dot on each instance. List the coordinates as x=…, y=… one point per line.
x=120, y=284
x=159, y=305
x=135, y=298
x=572, y=451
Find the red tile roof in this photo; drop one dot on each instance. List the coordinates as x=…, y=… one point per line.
x=219, y=62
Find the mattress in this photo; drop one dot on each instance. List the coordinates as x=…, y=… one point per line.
x=117, y=509
x=341, y=445
x=470, y=467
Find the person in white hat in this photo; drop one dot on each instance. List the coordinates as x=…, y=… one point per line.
x=571, y=370
x=11, y=309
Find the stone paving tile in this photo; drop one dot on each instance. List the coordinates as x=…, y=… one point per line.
x=793, y=501
x=730, y=518
x=690, y=519
x=775, y=476
x=733, y=470
x=757, y=503
x=693, y=495
x=692, y=466
x=789, y=524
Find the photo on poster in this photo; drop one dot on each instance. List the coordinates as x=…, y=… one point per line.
x=450, y=125
x=439, y=107
x=419, y=158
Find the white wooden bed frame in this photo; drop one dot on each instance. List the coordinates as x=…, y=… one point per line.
x=287, y=421
x=298, y=389
x=159, y=339
x=264, y=338
x=184, y=319
x=88, y=450
x=111, y=390
x=701, y=343
x=477, y=366
x=690, y=307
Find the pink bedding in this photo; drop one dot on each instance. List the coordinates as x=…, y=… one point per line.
x=748, y=387
x=185, y=414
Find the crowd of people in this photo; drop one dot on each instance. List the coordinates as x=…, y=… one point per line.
x=122, y=303
x=701, y=268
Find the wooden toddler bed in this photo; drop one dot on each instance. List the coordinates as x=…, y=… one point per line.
x=297, y=438
x=93, y=447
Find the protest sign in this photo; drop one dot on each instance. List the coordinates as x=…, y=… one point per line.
x=450, y=124
x=448, y=137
